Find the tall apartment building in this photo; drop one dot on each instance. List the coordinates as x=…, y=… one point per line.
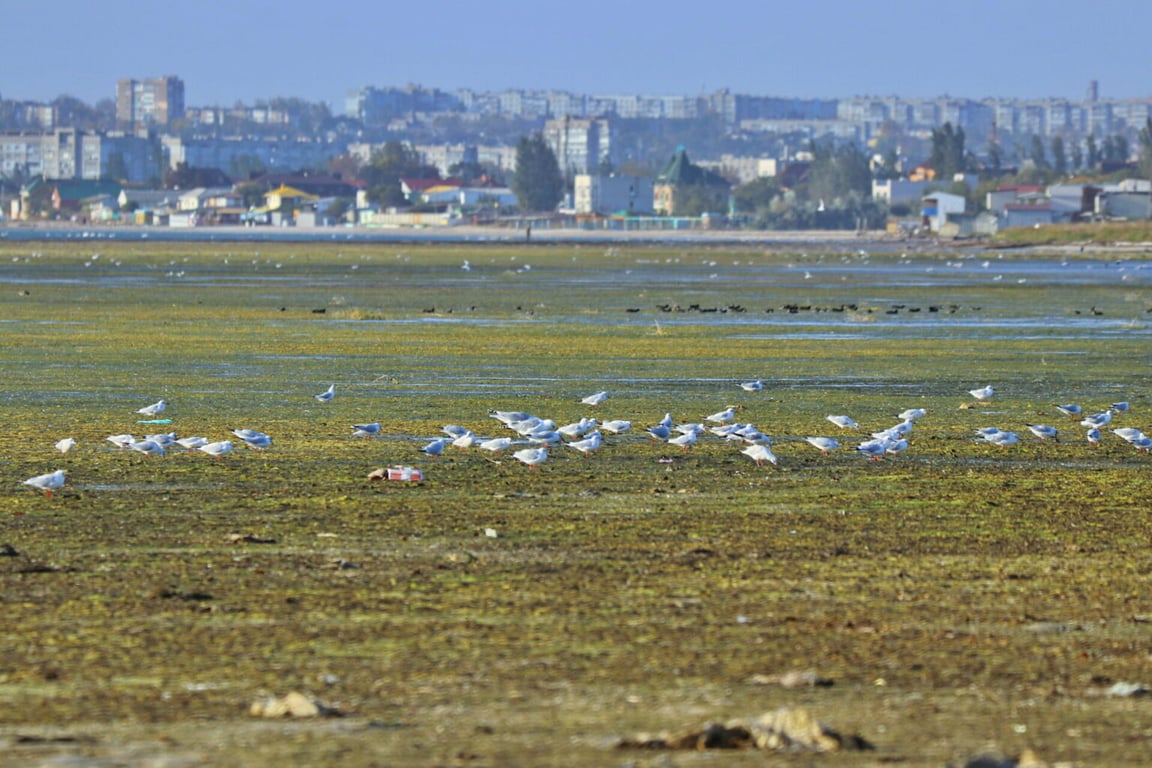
x=151, y=103
x=580, y=145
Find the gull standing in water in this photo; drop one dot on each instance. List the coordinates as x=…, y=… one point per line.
x=48, y=482
x=327, y=394
x=752, y=386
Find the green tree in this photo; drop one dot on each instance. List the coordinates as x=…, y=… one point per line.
x=1146, y=148
x=947, y=157
x=1092, y=152
x=392, y=162
x=1038, y=155
x=537, y=181
x=1077, y=156
x=117, y=168
x=1059, y=156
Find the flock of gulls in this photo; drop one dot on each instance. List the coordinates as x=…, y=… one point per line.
x=531, y=439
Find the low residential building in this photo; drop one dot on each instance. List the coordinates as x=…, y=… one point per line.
x=897, y=191
x=1025, y=215
x=630, y=195
x=935, y=208
x=681, y=180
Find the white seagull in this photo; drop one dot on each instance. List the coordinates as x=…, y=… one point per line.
x=192, y=443
x=685, y=440
x=1097, y=420
x=1002, y=439
x=760, y=453
x=983, y=393
x=496, y=444
x=724, y=416
x=1043, y=431
x=48, y=482
x=825, y=444
x=435, y=448
x=154, y=409
x=466, y=440
x=595, y=399
x=912, y=414
x=616, y=426
x=533, y=457
x=590, y=443
x=65, y=445
x=874, y=449
x=844, y=422
x=366, y=430
x=121, y=441
x=148, y=447
x=327, y=394
x=752, y=386
x=1093, y=436
x=1071, y=410
x=217, y=449
x=659, y=432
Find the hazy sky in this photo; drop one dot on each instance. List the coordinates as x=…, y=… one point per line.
x=245, y=50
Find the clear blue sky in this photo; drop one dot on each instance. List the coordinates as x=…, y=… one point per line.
x=244, y=50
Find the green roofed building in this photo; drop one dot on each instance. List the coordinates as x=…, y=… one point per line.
x=685, y=189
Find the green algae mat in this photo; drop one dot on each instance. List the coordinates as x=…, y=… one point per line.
x=955, y=598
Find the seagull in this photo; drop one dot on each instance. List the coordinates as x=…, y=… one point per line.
x=148, y=447
x=466, y=440
x=165, y=439
x=192, y=443
x=874, y=449
x=724, y=416
x=217, y=449
x=366, y=430
x=1093, y=436
x=1120, y=407
x=616, y=426
x=1097, y=420
x=685, y=440
x=825, y=444
x=666, y=421
x=48, y=482
x=1071, y=410
x=897, y=446
x=844, y=422
x=1142, y=443
x=659, y=432
x=752, y=386
x=578, y=429
x=497, y=444
x=453, y=430
x=435, y=448
x=154, y=409
x=65, y=445
x=912, y=414
x=248, y=434
x=1043, y=431
x=1129, y=434
x=1002, y=439
x=983, y=393
x=760, y=453
x=327, y=394
x=258, y=442
x=590, y=443
x=507, y=417
x=533, y=457
x=121, y=441
x=595, y=399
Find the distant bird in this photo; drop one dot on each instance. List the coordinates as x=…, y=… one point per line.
x=533, y=457
x=191, y=443
x=165, y=439
x=48, y=482
x=1093, y=436
x=1120, y=407
x=844, y=422
x=724, y=416
x=258, y=442
x=590, y=443
x=121, y=441
x=154, y=409
x=578, y=429
x=1071, y=410
x=1128, y=433
x=1142, y=443
x=148, y=447
x=912, y=414
x=659, y=432
x=616, y=426
x=752, y=386
x=496, y=444
x=1002, y=439
x=760, y=453
x=874, y=449
x=1102, y=419
x=366, y=430
x=434, y=448
x=595, y=399
x=507, y=417
x=453, y=430
x=249, y=434
x=65, y=445
x=1043, y=431
x=327, y=394
x=825, y=444
x=466, y=440
x=666, y=421
x=217, y=449
x=896, y=447
x=983, y=393
x=686, y=440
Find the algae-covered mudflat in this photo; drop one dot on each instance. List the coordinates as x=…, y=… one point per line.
x=960, y=596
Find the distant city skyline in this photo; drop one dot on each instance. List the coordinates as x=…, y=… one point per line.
x=244, y=51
